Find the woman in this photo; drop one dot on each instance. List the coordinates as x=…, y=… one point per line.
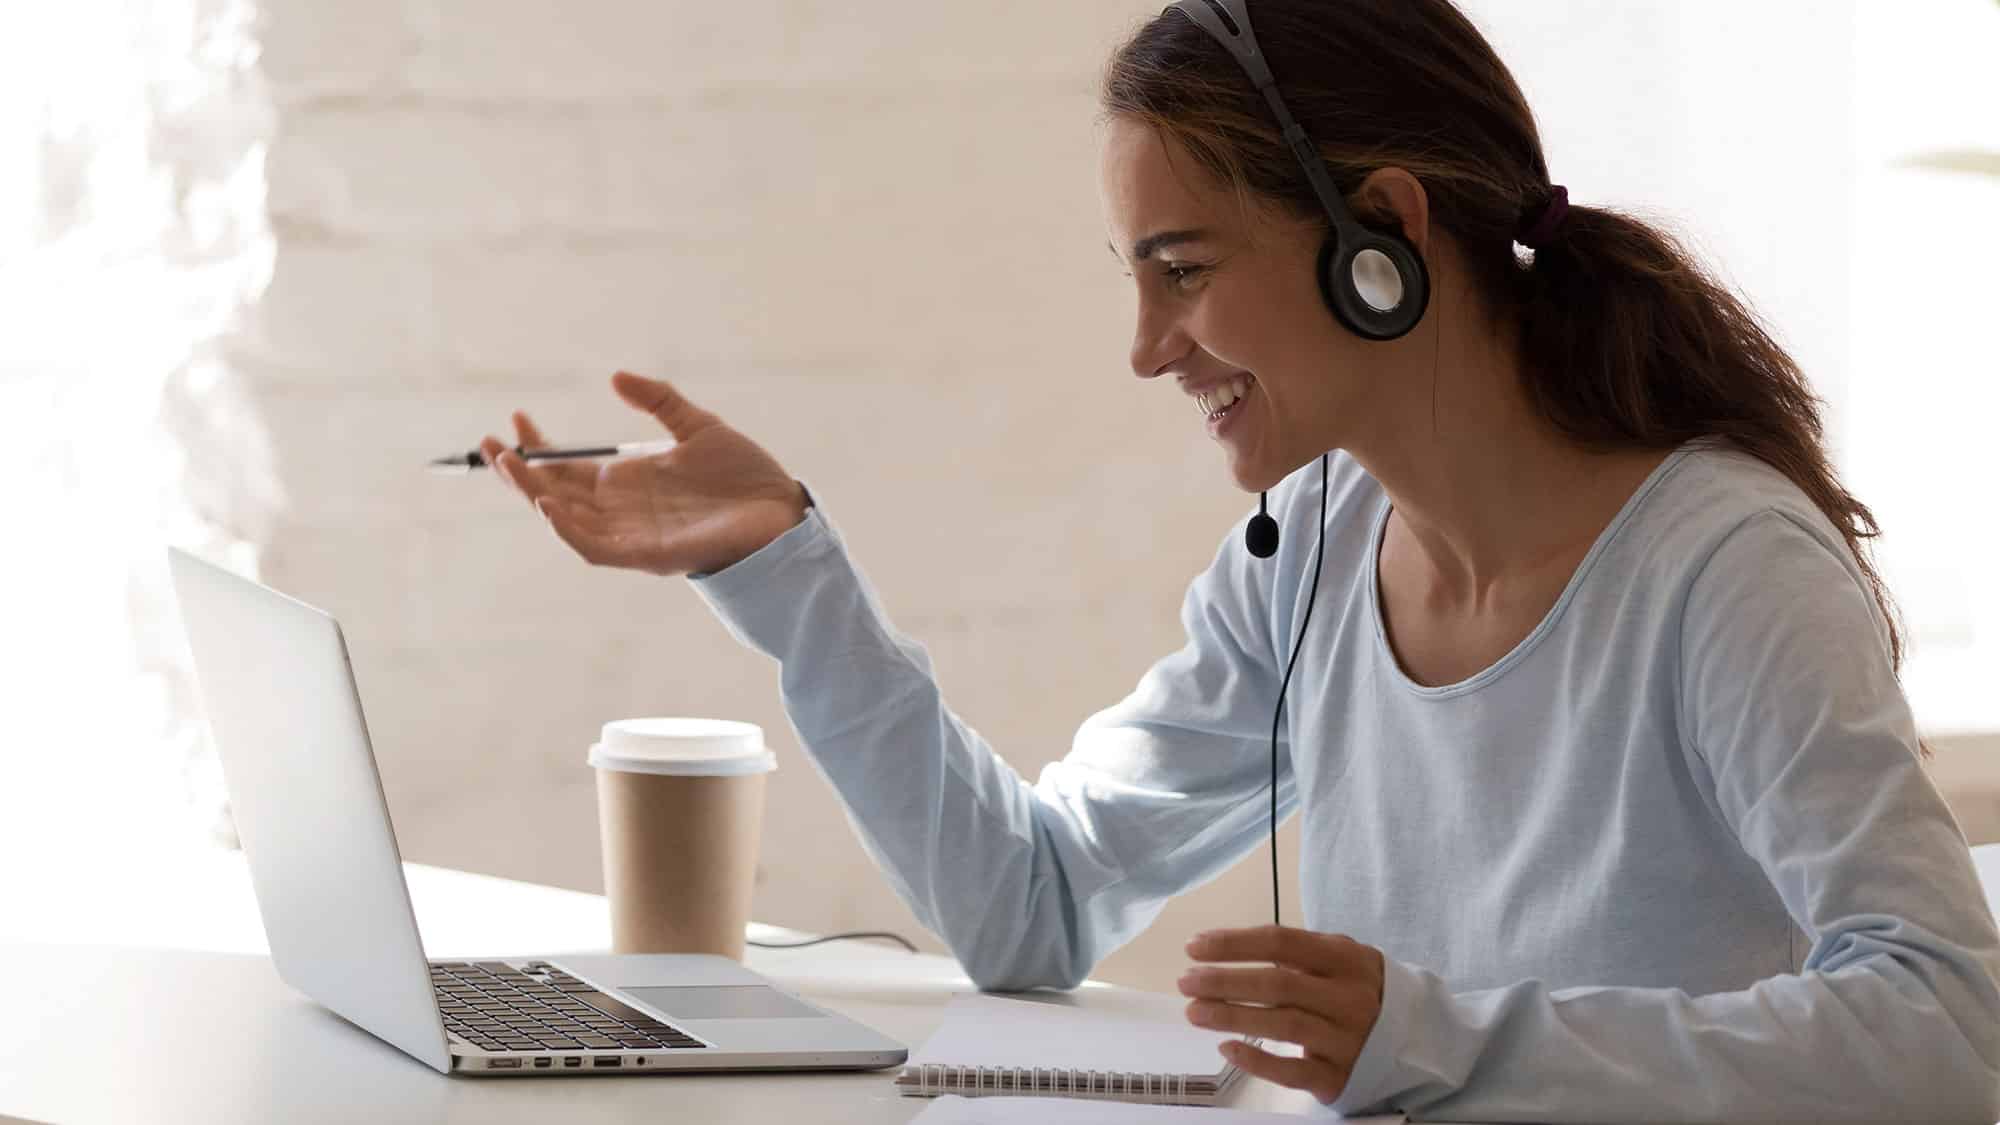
x=1613, y=808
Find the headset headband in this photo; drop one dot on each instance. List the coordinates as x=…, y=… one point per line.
x=1373, y=281
x=1229, y=22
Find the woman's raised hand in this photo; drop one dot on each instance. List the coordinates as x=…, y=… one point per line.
x=712, y=500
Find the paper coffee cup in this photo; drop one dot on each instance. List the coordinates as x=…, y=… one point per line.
x=680, y=804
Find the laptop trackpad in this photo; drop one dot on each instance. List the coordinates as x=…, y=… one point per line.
x=732, y=1002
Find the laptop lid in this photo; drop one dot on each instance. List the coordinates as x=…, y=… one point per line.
x=286, y=715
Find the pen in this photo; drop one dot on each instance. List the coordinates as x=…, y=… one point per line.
x=466, y=462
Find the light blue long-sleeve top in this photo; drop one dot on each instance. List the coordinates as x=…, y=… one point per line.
x=1671, y=858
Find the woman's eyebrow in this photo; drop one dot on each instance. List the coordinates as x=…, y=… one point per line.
x=1145, y=247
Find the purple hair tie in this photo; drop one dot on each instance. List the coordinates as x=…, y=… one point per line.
x=1552, y=217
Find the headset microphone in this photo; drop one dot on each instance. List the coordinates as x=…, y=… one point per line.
x=1373, y=281
x=1262, y=534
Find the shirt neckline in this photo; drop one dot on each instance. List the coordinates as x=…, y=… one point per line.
x=1387, y=657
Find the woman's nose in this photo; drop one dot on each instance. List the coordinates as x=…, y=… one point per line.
x=1156, y=343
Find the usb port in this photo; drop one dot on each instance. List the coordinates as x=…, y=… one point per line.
x=606, y=1060
x=503, y=1064
x=544, y=1064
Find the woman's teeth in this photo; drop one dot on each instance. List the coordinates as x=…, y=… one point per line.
x=1221, y=398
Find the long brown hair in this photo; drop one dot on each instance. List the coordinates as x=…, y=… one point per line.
x=1627, y=341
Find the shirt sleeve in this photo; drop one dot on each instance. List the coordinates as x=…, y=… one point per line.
x=1030, y=885
x=1789, y=698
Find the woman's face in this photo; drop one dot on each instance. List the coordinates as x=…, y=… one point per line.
x=1221, y=293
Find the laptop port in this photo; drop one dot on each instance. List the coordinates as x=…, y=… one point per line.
x=606, y=1060
x=503, y=1064
x=544, y=1064
x=572, y=1062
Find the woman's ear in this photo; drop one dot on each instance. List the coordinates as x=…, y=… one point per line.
x=1392, y=199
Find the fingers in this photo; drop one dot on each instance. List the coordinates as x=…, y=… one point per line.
x=1291, y=1025
x=1322, y=1079
x=489, y=448
x=512, y=469
x=1329, y=1051
x=1325, y=954
x=1275, y=987
x=1280, y=1002
x=524, y=429
x=658, y=398
x=580, y=526
x=570, y=481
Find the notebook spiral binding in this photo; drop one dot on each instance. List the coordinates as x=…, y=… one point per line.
x=972, y=1081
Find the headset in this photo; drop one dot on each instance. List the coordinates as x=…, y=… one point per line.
x=1373, y=281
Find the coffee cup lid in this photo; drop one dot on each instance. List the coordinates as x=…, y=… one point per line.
x=694, y=747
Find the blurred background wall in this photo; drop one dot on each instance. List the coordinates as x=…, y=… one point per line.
x=264, y=258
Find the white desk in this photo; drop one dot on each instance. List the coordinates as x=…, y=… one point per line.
x=187, y=1021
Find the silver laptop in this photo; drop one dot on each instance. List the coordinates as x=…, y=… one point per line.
x=322, y=854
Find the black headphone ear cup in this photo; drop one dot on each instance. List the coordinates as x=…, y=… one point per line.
x=1375, y=284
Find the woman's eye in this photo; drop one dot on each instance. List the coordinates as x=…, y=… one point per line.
x=1176, y=276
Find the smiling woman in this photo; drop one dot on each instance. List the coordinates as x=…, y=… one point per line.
x=1573, y=388
x=1616, y=338
x=1612, y=806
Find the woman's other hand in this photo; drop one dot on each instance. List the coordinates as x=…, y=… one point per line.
x=712, y=500
x=1321, y=991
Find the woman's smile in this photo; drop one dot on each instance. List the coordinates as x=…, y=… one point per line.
x=1226, y=420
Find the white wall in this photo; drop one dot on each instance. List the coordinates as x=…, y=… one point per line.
x=132, y=237
x=1926, y=235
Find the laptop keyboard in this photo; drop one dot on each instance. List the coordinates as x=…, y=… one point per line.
x=497, y=1007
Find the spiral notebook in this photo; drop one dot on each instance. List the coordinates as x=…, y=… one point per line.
x=993, y=1045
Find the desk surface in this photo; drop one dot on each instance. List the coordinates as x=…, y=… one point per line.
x=186, y=1021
